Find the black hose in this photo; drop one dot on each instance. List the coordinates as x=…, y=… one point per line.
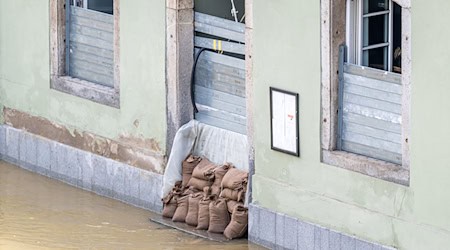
x=193, y=79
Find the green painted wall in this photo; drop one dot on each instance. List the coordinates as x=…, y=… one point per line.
x=25, y=65
x=287, y=55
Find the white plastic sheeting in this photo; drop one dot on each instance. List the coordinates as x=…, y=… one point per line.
x=216, y=144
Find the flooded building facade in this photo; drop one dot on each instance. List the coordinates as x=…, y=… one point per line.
x=369, y=165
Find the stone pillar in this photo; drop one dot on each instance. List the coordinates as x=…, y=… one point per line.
x=249, y=89
x=179, y=61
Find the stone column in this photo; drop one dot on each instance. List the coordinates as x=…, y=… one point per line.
x=179, y=61
x=249, y=89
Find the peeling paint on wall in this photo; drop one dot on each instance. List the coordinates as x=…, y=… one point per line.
x=144, y=153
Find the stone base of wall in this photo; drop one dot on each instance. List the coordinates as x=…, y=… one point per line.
x=279, y=231
x=82, y=169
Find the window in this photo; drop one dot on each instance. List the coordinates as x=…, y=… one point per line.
x=366, y=67
x=374, y=34
x=105, y=6
x=85, y=51
x=89, y=41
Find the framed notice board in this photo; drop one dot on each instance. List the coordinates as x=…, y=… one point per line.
x=284, y=121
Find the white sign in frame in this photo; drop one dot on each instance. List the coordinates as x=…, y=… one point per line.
x=284, y=123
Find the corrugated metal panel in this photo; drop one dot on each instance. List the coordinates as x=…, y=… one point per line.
x=371, y=115
x=215, y=118
x=220, y=91
x=91, y=48
x=219, y=27
x=219, y=87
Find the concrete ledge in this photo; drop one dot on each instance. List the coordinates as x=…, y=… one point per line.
x=81, y=169
x=279, y=231
x=87, y=90
x=368, y=166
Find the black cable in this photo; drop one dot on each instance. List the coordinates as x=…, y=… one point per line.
x=193, y=79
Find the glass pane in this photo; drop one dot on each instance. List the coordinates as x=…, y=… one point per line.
x=397, y=40
x=371, y=6
x=375, y=30
x=105, y=6
x=78, y=3
x=376, y=58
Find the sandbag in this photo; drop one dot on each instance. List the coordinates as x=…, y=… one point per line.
x=235, y=179
x=219, y=173
x=182, y=209
x=236, y=195
x=170, y=201
x=218, y=216
x=170, y=208
x=239, y=223
x=198, y=183
x=187, y=167
x=231, y=204
x=203, y=170
x=203, y=212
x=192, y=214
x=169, y=205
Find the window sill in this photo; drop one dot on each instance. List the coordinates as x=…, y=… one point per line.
x=368, y=166
x=87, y=90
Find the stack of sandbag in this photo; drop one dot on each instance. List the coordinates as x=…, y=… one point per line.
x=202, y=175
x=209, y=197
x=219, y=173
x=187, y=167
x=234, y=187
x=176, y=203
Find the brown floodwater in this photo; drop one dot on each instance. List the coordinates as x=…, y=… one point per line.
x=40, y=213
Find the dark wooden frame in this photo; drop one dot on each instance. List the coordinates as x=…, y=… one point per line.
x=297, y=152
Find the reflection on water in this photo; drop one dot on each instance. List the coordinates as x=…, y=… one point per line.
x=39, y=213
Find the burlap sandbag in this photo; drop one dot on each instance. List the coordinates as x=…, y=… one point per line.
x=170, y=208
x=203, y=170
x=236, y=195
x=187, y=167
x=170, y=205
x=235, y=179
x=231, y=204
x=218, y=216
x=182, y=209
x=170, y=200
x=219, y=173
x=198, y=183
x=203, y=212
x=192, y=214
x=238, y=225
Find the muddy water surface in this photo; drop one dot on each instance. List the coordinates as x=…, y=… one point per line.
x=40, y=213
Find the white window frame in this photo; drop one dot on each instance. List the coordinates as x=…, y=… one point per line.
x=59, y=81
x=354, y=35
x=333, y=34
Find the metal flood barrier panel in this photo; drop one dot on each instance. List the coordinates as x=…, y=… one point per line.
x=219, y=87
x=370, y=113
x=91, y=46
